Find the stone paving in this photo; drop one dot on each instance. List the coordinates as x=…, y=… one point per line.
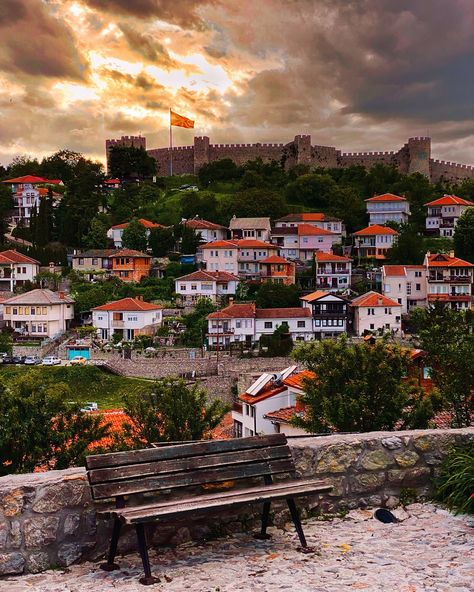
x=428, y=550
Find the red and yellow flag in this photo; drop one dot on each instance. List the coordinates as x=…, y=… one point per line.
x=180, y=120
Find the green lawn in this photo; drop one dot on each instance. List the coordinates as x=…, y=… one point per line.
x=87, y=383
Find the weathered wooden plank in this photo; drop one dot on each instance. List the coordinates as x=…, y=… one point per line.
x=219, y=501
x=176, y=480
x=192, y=463
x=201, y=448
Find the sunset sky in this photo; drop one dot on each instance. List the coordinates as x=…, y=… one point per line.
x=355, y=74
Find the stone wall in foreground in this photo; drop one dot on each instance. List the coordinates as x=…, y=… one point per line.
x=48, y=519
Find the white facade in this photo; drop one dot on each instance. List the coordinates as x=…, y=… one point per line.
x=16, y=269
x=333, y=272
x=407, y=284
x=207, y=230
x=374, y=312
x=129, y=323
x=444, y=213
x=251, y=228
x=387, y=208
x=239, y=257
x=204, y=284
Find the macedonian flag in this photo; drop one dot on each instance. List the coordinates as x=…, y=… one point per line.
x=180, y=120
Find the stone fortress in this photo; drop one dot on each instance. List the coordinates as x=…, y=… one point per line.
x=414, y=156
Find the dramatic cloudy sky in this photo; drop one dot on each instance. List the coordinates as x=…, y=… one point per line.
x=356, y=74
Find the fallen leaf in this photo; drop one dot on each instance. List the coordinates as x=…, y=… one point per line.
x=272, y=556
x=345, y=548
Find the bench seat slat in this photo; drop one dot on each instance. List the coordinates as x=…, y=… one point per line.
x=192, y=463
x=201, y=448
x=185, y=479
x=218, y=500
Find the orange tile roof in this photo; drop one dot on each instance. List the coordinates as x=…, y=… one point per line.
x=129, y=253
x=283, y=415
x=143, y=222
x=274, y=259
x=262, y=395
x=450, y=200
x=394, y=270
x=12, y=256
x=220, y=244
x=235, y=311
x=386, y=197
x=373, y=299
x=215, y=276
x=199, y=224
x=32, y=179
x=282, y=313
x=297, y=380
x=314, y=295
x=239, y=244
x=225, y=429
x=323, y=256
x=129, y=304
x=307, y=229
x=445, y=260
x=375, y=229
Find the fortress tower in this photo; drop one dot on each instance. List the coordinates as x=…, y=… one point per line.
x=419, y=155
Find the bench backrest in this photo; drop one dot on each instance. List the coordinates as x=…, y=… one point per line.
x=183, y=465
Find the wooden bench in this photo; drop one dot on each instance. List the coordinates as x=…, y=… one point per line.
x=172, y=468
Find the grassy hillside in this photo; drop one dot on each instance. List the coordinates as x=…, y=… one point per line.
x=87, y=383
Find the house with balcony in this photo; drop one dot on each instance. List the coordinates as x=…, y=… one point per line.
x=258, y=409
x=316, y=219
x=209, y=231
x=93, y=262
x=449, y=280
x=128, y=317
x=301, y=241
x=129, y=265
x=444, y=213
x=333, y=272
x=250, y=228
x=116, y=232
x=219, y=286
x=330, y=313
x=244, y=323
x=28, y=191
x=16, y=269
x=374, y=241
x=39, y=313
x=387, y=208
x=407, y=284
x=375, y=312
x=277, y=270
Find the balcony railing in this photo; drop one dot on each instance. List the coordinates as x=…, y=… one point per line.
x=116, y=324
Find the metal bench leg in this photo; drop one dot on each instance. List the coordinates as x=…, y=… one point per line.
x=262, y=535
x=299, y=529
x=148, y=579
x=110, y=565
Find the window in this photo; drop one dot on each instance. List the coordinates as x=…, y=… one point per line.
x=81, y=261
x=409, y=288
x=24, y=269
x=388, y=311
x=133, y=319
x=33, y=310
x=8, y=309
x=268, y=325
x=182, y=287
x=117, y=316
x=18, y=269
x=238, y=324
x=417, y=273
x=370, y=311
x=237, y=429
x=372, y=326
x=301, y=324
x=94, y=261
x=44, y=310
x=417, y=287
x=193, y=286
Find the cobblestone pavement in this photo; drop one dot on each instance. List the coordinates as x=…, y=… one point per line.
x=428, y=550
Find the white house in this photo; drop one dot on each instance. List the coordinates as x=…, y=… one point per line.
x=27, y=194
x=449, y=280
x=388, y=208
x=129, y=317
x=244, y=323
x=301, y=241
x=238, y=256
x=406, y=284
x=216, y=285
x=16, y=269
x=374, y=241
x=330, y=313
x=333, y=272
x=209, y=231
x=373, y=311
x=444, y=213
x=116, y=232
x=272, y=397
x=39, y=313
x=254, y=228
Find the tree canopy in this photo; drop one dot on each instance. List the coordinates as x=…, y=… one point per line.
x=127, y=162
x=464, y=236
x=135, y=236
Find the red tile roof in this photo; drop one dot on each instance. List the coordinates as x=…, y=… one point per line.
x=297, y=380
x=307, y=229
x=235, y=311
x=128, y=304
x=394, y=270
x=12, y=256
x=307, y=217
x=444, y=260
x=283, y=313
x=32, y=179
x=199, y=224
x=129, y=253
x=270, y=391
x=143, y=222
x=239, y=244
x=321, y=256
x=274, y=259
x=112, y=181
x=375, y=229
x=373, y=299
x=314, y=295
x=450, y=200
x=386, y=197
x=218, y=276
x=283, y=415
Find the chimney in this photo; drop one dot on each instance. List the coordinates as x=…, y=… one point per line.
x=231, y=300
x=451, y=253
x=379, y=301
x=51, y=266
x=61, y=295
x=140, y=297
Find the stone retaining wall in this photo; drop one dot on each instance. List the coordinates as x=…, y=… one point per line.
x=48, y=519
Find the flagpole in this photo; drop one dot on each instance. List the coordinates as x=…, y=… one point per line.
x=171, y=147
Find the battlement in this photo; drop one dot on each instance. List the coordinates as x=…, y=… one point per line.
x=257, y=145
x=359, y=154
x=420, y=139
x=466, y=167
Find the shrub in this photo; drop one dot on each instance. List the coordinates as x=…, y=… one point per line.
x=455, y=484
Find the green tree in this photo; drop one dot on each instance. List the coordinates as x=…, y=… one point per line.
x=23, y=165
x=408, y=248
x=279, y=343
x=358, y=387
x=170, y=411
x=220, y=170
x=135, y=236
x=272, y=295
x=161, y=241
x=257, y=202
x=42, y=222
x=39, y=427
x=203, y=204
x=190, y=240
x=196, y=323
x=126, y=162
x=6, y=343
x=447, y=337
x=96, y=236
x=464, y=236
x=314, y=190
x=6, y=207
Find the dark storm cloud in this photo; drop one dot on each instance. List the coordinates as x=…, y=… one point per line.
x=35, y=43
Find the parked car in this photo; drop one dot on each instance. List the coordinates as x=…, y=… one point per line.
x=32, y=360
x=78, y=361
x=51, y=361
x=14, y=360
